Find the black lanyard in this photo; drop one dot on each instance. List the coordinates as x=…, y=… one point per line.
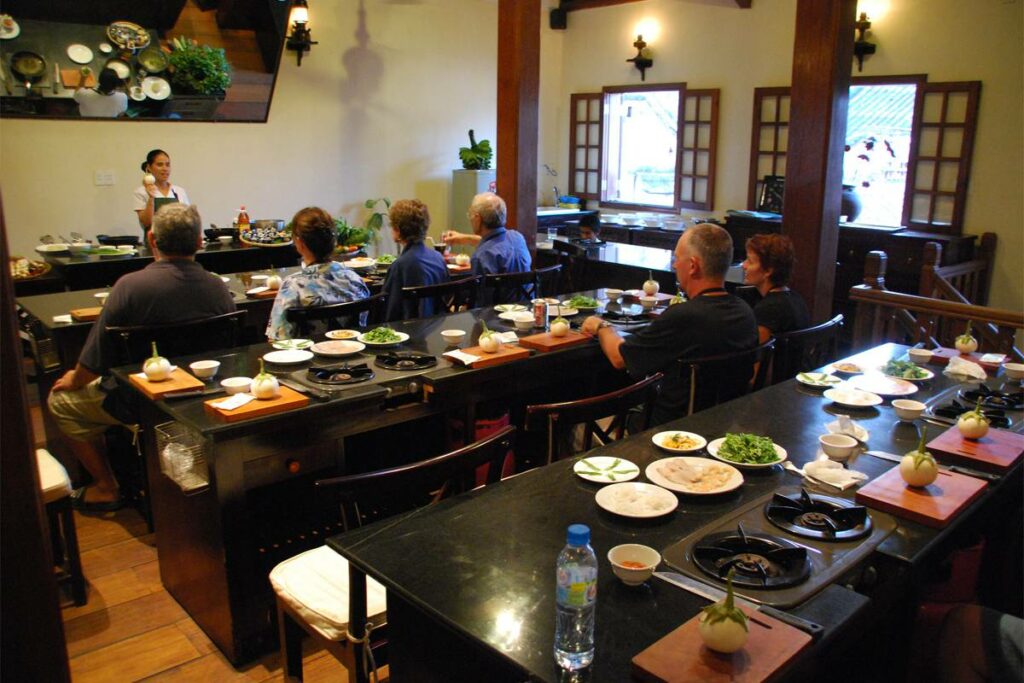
x=708, y=291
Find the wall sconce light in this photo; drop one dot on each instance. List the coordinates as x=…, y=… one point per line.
x=301, y=38
x=862, y=47
x=643, y=59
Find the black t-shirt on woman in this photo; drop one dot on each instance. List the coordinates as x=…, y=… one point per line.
x=782, y=312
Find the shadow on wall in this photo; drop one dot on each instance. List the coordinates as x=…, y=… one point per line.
x=362, y=66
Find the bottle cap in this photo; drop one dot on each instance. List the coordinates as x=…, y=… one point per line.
x=578, y=535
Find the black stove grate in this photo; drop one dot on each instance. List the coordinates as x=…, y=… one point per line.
x=997, y=417
x=760, y=560
x=405, y=360
x=340, y=374
x=993, y=399
x=818, y=517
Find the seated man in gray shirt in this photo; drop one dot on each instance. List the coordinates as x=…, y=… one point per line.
x=174, y=288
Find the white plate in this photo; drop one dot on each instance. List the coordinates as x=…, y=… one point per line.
x=336, y=348
x=636, y=499
x=510, y=316
x=928, y=375
x=13, y=32
x=510, y=308
x=51, y=248
x=564, y=311
x=549, y=301
x=360, y=263
x=565, y=304
x=852, y=398
x=817, y=379
x=292, y=357
x=610, y=469
x=660, y=438
x=259, y=277
x=79, y=54
x=653, y=472
x=717, y=443
x=342, y=334
x=292, y=344
x=105, y=48
x=156, y=88
x=402, y=337
x=877, y=383
x=136, y=93
x=119, y=252
x=847, y=371
x=122, y=70
x=862, y=434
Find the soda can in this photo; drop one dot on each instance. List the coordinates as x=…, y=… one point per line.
x=540, y=313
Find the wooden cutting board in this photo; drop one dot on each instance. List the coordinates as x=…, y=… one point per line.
x=288, y=400
x=268, y=294
x=663, y=298
x=681, y=656
x=505, y=354
x=935, y=505
x=545, y=341
x=997, y=451
x=178, y=381
x=941, y=356
x=69, y=78
x=86, y=314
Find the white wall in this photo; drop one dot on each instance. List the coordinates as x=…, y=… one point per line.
x=353, y=122
x=713, y=44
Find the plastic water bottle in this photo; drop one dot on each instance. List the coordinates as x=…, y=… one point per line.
x=576, y=600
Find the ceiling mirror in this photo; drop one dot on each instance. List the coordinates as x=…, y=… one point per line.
x=152, y=60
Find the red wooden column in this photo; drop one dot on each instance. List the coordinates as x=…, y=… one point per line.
x=518, y=86
x=822, y=61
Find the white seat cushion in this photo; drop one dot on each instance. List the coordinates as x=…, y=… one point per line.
x=315, y=585
x=53, y=478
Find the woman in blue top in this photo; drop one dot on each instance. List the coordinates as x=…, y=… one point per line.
x=418, y=265
x=320, y=280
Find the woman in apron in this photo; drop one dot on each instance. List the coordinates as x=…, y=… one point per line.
x=150, y=196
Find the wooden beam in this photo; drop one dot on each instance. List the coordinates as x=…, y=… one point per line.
x=822, y=61
x=518, y=94
x=572, y=5
x=744, y=4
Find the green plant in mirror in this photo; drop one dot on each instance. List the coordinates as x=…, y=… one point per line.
x=476, y=157
x=198, y=69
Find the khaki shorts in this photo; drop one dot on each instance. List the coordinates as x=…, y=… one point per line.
x=79, y=413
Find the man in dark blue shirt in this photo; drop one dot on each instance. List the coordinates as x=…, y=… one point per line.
x=498, y=251
x=419, y=263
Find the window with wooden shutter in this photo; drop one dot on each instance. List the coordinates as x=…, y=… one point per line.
x=698, y=141
x=945, y=120
x=585, y=135
x=768, y=140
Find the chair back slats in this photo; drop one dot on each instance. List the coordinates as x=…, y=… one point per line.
x=723, y=377
x=447, y=297
x=561, y=419
x=134, y=342
x=547, y=281
x=371, y=496
x=333, y=316
x=806, y=349
x=510, y=287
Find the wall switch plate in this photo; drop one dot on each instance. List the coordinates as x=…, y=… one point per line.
x=103, y=177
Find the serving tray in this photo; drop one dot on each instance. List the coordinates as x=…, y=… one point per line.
x=287, y=400
x=505, y=354
x=935, y=505
x=545, y=341
x=178, y=381
x=997, y=451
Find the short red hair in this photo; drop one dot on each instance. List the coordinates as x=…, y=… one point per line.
x=776, y=253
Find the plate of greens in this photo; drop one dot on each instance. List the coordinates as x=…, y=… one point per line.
x=509, y=308
x=385, y=260
x=747, y=450
x=604, y=469
x=383, y=336
x=583, y=303
x=905, y=369
x=289, y=344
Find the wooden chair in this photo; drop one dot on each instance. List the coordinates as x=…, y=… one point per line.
x=509, y=287
x=723, y=377
x=333, y=316
x=573, y=259
x=806, y=349
x=178, y=339
x=56, y=493
x=318, y=592
x=547, y=281
x=447, y=297
x=561, y=419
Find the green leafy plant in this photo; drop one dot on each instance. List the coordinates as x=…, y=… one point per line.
x=198, y=69
x=376, y=220
x=351, y=235
x=477, y=156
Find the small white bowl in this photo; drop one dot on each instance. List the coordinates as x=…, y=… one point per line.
x=453, y=337
x=837, y=446
x=1014, y=370
x=225, y=239
x=79, y=247
x=648, y=558
x=612, y=294
x=236, y=385
x=125, y=247
x=523, y=321
x=204, y=369
x=648, y=301
x=920, y=355
x=908, y=410
x=101, y=297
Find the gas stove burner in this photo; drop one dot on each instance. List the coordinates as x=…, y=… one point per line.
x=819, y=517
x=405, y=360
x=629, y=317
x=340, y=374
x=759, y=560
x=996, y=416
x=992, y=399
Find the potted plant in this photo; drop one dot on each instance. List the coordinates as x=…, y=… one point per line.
x=474, y=177
x=476, y=157
x=351, y=238
x=199, y=76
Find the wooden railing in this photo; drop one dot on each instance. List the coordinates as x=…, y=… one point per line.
x=883, y=316
x=966, y=283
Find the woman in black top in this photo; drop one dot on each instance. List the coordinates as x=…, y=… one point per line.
x=769, y=262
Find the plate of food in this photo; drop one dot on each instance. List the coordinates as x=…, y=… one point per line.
x=342, y=334
x=882, y=385
x=26, y=269
x=79, y=54
x=852, y=398
x=510, y=308
x=385, y=260
x=908, y=370
x=156, y=88
x=127, y=34
x=360, y=263
x=383, y=336
x=337, y=348
x=817, y=379
x=288, y=357
x=561, y=311
x=679, y=442
x=636, y=499
x=747, y=450
x=583, y=303
x=696, y=476
x=8, y=27
x=265, y=237
x=550, y=301
x=847, y=368
x=604, y=469
x=287, y=344
x=55, y=248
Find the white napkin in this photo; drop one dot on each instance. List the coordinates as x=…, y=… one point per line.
x=257, y=290
x=234, y=401
x=62, y=318
x=462, y=357
x=834, y=473
x=507, y=337
x=965, y=368
x=844, y=425
x=996, y=358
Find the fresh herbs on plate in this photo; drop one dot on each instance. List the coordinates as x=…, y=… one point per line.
x=292, y=344
x=818, y=379
x=580, y=301
x=904, y=369
x=748, y=449
x=613, y=469
x=382, y=335
x=386, y=258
